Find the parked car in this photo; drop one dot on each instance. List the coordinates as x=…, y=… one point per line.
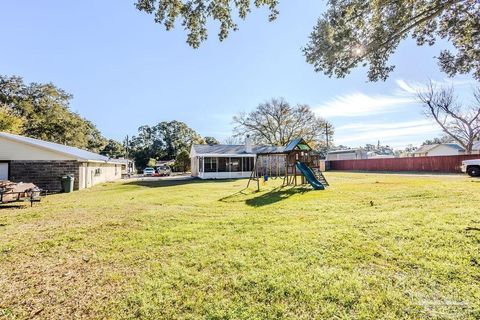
x=471, y=167
x=148, y=172
x=164, y=170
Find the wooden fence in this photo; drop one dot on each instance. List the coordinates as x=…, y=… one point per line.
x=444, y=164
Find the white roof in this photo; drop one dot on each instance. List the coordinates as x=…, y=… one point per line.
x=232, y=150
x=73, y=152
x=344, y=151
x=429, y=147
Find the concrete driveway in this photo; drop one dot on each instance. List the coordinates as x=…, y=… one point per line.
x=173, y=177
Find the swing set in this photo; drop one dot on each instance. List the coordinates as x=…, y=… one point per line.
x=296, y=160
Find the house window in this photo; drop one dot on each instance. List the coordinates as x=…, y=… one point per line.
x=98, y=172
x=210, y=164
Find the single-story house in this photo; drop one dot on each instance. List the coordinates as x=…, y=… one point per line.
x=43, y=163
x=128, y=166
x=445, y=149
x=349, y=154
x=220, y=161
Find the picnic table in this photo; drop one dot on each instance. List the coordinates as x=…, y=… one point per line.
x=19, y=192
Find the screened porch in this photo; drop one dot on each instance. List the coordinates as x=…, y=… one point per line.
x=225, y=167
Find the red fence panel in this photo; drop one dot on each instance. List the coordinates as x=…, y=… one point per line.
x=444, y=164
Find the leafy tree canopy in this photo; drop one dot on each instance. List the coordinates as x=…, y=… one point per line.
x=276, y=122
x=42, y=111
x=151, y=162
x=176, y=136
x=211, y=140
x=361, y=32
x=113, y=149
x=194, y=15
x=162, y=141
x=9, y=122
x=351, y=32
x=182, y=161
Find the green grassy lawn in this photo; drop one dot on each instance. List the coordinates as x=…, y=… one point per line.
x=372, y=246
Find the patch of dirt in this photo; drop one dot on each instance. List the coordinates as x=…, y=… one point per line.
x=65, y=288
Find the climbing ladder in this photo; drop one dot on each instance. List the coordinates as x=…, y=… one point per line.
x=319, y=175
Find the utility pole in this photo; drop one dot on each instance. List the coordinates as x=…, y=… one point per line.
x=126, y=147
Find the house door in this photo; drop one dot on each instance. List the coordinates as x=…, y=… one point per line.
x=3, y=170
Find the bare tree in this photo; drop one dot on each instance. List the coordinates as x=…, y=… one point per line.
x=233, y=140
x=276, y=122
x=460, y=122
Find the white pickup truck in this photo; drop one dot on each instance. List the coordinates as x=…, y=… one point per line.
x=471, y=167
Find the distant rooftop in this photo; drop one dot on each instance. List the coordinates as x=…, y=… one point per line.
x=343, y=151
x=428, y=147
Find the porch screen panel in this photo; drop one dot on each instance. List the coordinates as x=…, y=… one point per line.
x=247, y=163
x=235, y=164
x=223, y=164
x=210, y=164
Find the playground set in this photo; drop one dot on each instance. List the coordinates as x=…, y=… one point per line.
x=296, y=160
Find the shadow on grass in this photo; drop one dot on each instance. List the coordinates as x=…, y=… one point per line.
x=264, y=199
x=159, y=183
x=238, y=196
x=18, y=205
x=275, y=195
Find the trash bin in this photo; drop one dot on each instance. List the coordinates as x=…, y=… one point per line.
x=67, y=183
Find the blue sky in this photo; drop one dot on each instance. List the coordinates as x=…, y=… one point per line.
x=126, y=71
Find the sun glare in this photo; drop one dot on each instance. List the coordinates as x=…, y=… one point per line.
x=358, y=50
